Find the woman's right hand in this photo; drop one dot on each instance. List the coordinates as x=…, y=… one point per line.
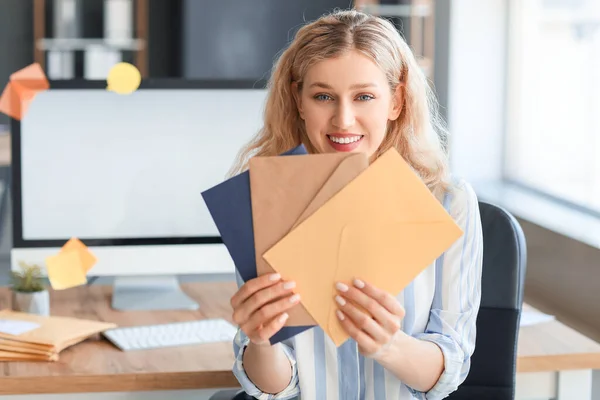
x=260, y=305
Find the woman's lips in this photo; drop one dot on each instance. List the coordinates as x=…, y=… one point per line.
x=345, y=142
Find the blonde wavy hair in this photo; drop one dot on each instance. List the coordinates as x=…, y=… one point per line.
x=418, y=134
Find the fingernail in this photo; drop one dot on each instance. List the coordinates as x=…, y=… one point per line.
x=283, y=317
x=289, y=285
x=295, y=298
x=359, y=284
x=275, y=277
x=340, y=315
x=340, y=300
x=341, y=287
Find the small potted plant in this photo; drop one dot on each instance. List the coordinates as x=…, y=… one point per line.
x=29, y=293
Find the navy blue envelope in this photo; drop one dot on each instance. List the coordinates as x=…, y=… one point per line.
x=230, y=206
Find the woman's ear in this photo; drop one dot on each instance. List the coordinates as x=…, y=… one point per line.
x=397, y=102
x=297, y=98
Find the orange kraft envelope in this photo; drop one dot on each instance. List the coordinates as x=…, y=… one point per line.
x=309, y=182
x=385, y=227
x=70, y=266
x=20, y=90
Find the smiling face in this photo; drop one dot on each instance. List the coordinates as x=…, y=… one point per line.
x=346, y=103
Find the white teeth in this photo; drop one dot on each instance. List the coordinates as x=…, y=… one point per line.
x=345, y=140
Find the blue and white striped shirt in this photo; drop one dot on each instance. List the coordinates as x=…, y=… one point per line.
x=441, y=306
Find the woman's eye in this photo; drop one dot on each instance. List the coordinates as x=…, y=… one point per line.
x=365, y=97
x=326, y=97
x=322, y=97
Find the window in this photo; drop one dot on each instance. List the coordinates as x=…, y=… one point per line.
x=553, y=92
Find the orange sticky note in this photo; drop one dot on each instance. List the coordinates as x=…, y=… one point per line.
x=384, y=227
x=70, y=266
x=21, y=89
x=87, y=259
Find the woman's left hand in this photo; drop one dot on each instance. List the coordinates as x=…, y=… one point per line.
x=372, y=334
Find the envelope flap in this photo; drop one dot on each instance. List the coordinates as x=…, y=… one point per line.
x=350, y=167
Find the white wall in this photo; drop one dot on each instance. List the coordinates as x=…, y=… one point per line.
x=476, y=81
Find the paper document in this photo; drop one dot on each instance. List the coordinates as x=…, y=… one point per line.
x=14, y=327
x=530, y=317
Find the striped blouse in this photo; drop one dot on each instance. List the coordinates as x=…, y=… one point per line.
x=441, y=306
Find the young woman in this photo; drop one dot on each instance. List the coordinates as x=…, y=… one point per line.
x=348, y=82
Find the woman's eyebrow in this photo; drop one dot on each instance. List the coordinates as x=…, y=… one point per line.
x=355, y=86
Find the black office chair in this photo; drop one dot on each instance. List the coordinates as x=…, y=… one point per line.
x=493, y=365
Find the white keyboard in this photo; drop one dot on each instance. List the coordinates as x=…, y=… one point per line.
x=173, y=334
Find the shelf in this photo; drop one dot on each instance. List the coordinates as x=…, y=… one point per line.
x=421, y=15
x=138, y=45
x=67, y=44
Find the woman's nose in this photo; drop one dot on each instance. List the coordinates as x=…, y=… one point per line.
x=344, y=116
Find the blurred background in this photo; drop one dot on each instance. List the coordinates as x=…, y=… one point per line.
x=518, y=83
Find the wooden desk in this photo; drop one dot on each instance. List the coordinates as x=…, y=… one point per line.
x=555, y=361
x=98, y=366
x=552, y=346
x=550, y=354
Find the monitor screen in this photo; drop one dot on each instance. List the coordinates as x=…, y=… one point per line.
x=98, y=165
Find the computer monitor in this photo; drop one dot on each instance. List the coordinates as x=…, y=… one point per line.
x=124, y=174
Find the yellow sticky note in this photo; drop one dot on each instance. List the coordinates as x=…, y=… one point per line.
x=65, y=271
x=123, y=78
x=70, y=266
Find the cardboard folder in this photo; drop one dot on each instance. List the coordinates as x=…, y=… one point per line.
x=285, y=191
x=57, y=333
x=384, y=227
x=229, y=204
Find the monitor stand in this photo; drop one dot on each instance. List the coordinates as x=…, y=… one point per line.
x=131, y=293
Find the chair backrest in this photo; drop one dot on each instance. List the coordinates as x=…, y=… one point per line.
x=493, y=365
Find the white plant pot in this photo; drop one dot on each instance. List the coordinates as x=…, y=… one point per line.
x=32, y=303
